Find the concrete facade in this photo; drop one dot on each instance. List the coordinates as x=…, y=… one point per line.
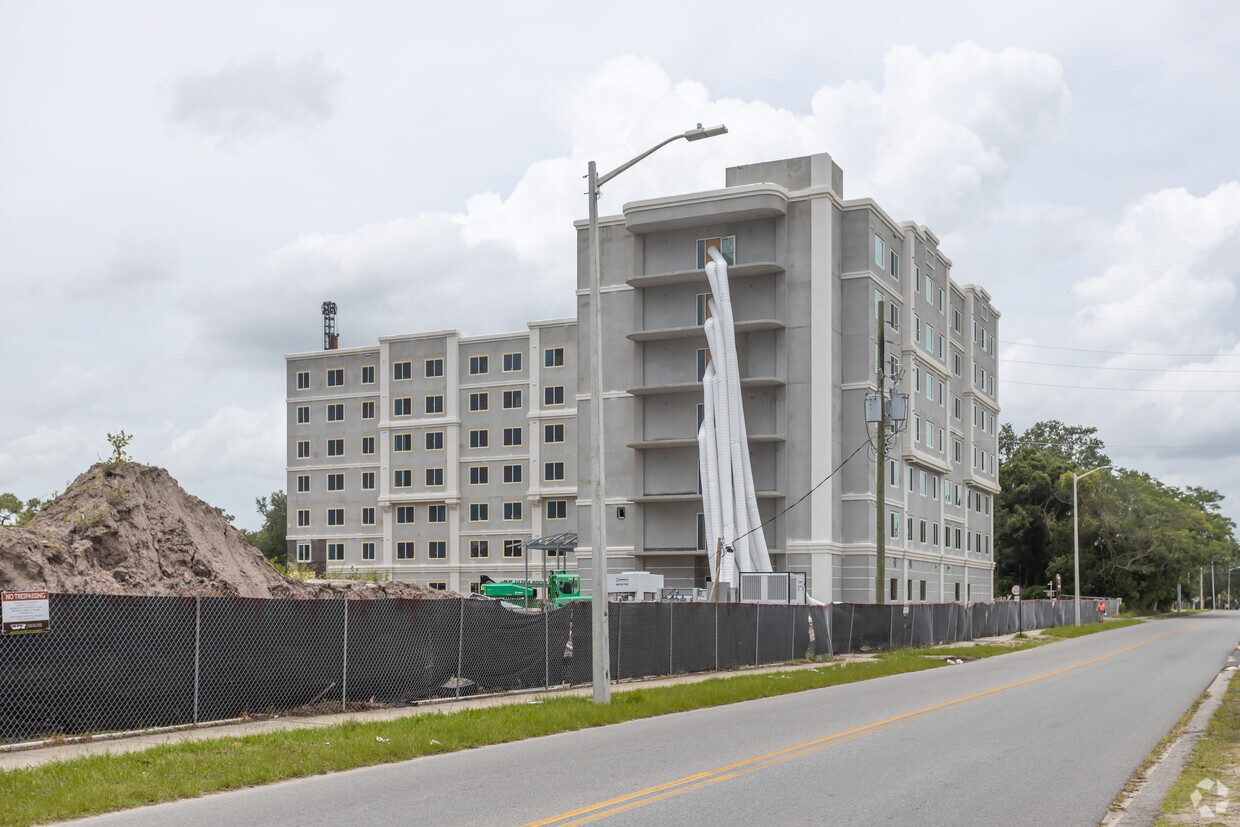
x=434, y=456
x=808, y=268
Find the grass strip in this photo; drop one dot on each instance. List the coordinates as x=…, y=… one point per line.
x=96, y=784
x=1065, y=632
x=1216, y=757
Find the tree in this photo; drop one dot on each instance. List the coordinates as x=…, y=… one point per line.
x=10, y=508
x=271, y=539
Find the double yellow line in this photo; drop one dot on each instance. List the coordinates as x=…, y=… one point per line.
x=689, y=783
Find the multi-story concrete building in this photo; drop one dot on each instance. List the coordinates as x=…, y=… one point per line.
x=808, y=269
x=434, y=456
x=437, y=455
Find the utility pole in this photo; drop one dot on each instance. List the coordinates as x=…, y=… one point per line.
x=880, y=560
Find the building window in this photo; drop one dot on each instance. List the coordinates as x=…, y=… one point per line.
x=512, y=362
x=303, y=552
x=434, y=440
x=553, y=432
x=895, y=266
x=303, y=414
x=335, y=447
x=557, y=509
x=512, y=400
x=402, y=406
x=916, y=328
x=402, y=442
x=513, y=549
x=956, y=446
x=406, y=550
x=368, y=551
x=335, y=482
x=368, y=409
x=479, y=475
x=894, y=529
x=335, y=412
x=434, y=368
x=956, y=407
x=368, y=515
x=922, y=592
x=921, y=531
x=701, y=363
x=513, y=511
x=303, y=384
x=368, y=445
x=703, y=307
x=368, y=374
x=434, y=404
x=479, y=512
x=434, y=477
x=512, y=474
x=553, y=395
x=479, y=438
x=406, y=514
x=303, y=449
x=893, y=471
x=726, y=247
x=475, y=586
x=335, y=516
x=368, y=480
x=553, y=471
x=303, y=518
x=879, y=258
x=479, y=549
x=895, y=588
x=437, y=550
x=437, y=513
x=479, y=365
x=402, y=371
x=303, y=483
x=916, y=278
x=335, y=378
x=513, y=436
x=402, y=478
x=956, y=320
x=553, y=357
x=921, y=483
x=479, y=401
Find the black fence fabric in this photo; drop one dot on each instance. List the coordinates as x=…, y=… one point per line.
x=119, y=662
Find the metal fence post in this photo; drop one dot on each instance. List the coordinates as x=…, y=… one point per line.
x=757, y=632
x=460, y=648
x=852, y=621
x=344, y=660
x=619, y=641
x=671, y=637
x=793, y=615
x=197, y=648
x=546, y=648
x=716, y=636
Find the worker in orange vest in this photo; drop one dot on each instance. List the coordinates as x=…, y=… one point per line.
x=1102, y=611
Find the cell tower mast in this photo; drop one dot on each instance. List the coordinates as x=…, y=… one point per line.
x=331, y=339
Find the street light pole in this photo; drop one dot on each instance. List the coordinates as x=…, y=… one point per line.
x=598, y=495
x=1076, y=543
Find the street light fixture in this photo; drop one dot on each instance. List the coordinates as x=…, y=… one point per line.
x=1076, y=543
x=598, y=499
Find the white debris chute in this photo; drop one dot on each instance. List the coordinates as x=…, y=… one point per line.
x=730, y=502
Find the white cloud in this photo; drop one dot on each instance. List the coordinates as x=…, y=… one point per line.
x=256, y=96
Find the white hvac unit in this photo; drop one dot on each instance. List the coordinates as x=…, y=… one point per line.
x=773, y=587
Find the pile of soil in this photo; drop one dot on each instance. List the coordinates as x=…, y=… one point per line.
x=131, y=529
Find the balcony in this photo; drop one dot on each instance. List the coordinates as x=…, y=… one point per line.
x=696, y=387
x=735, y=271
x=697, y=330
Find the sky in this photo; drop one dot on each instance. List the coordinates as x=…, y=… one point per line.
x=182, y=184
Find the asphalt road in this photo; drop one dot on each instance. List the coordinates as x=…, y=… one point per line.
x=1046, y=736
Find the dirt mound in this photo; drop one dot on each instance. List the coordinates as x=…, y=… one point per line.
x=132, y=529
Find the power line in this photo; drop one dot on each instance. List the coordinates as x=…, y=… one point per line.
x=1108, y=446
x=807, y=493
x=1103, y=367
x=1117, y=352
x=1134, y=390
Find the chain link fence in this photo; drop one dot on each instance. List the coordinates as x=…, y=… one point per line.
x=115, y=663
